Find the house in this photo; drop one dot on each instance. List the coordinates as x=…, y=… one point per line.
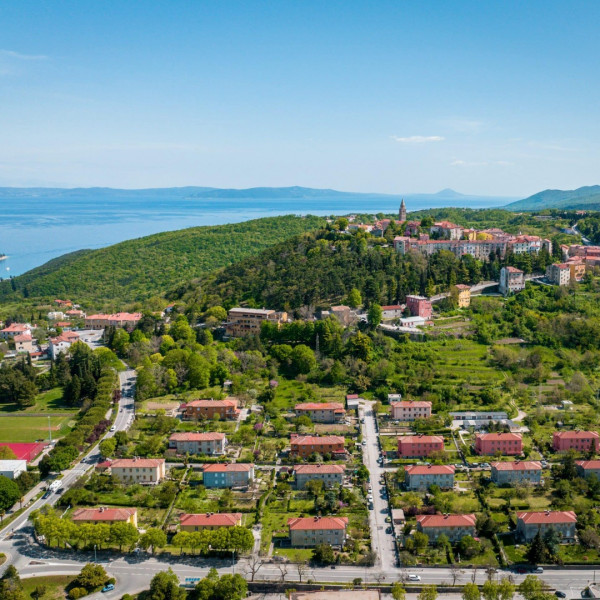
x=207, y=409
x=306, y=532
x=410, y=446
x=210, y=443
x=352, y=401
x=464, y=295
x=343, y=314
x=322, y=412
x=24, y=343
x=559, y=273
x=75, y=313
x=577, y=268
x=339, y=594
x=12, y=468
x=454, y=527
x=330, y=475
x=419, y=306
x=120, y=319
x=586, y=468
x=138, y=470
x=221, y=475
x=106, y=515
x=61, y=344
x=65, y=303
x=55, y=315
x=411, y=410
x=248, y=321
x=15, y=329
x=507, y=444
x=421, y=477
x=529, y=523
x=305, y=445
x=477, y=419
x=392, y=311
x=520, y=471
x=209, y=521
x=447, y=230
x=581, y=441
x=512, y=280
x=413, y=322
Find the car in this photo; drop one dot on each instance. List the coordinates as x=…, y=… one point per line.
x=560, y=594
x=47, y=494
x=108, y=588
x=364, y=443
x=412, y=577
x=60, y=490
x=113, y=428
x=538, y=570
x=333, y=566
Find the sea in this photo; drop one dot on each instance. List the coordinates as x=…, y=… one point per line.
x=36, y=229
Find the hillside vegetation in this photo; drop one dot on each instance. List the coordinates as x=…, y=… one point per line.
x=583, y=198
x=138, y=269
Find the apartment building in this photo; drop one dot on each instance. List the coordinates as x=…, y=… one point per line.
x=578, y=440
x=207, y=409
x=520, y=471
x=508, y=444
x=454, y=527
x=330, y=475
x=464, y=295
x=512, y=280
x=413, y=446
x=228, y=475
x=421, y=477
x=559, y=273
x=411, y=410
x=305, y=445
x=248, y=321
x=106, y=515
x=209, y=521
x=61, y=343
x=24, y=343
x=307, y=532
x=146, y=471
x=120, y=319
x=392, y=311
x=419, y=306
x=14, y=329
x=477, y=419
x=12, y=468
x=577, y=268
x=529, y=523
x=322, y=412
x=586, y=468
x=210, y=443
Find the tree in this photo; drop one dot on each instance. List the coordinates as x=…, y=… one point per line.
x=471, y=592
x=536, y=552
x=489, y=590
x=108, y=447
x=354, y=298
x=253, y=565
x=153, y=538
x=91, y=576
x=506, y=589
x=530, y=587
x=123, y=534
x=120, y=342
x=374, y=315
x=303, y=359
x=469, y=547
x=165, y=586
x=428, y=592
x=9, y=492
x=324, y=554
x=6, y=453
x=399, y=593
x=11, y=587
x=421, y=541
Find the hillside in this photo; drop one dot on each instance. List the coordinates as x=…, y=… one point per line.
x=583, y=198
x=149, y=266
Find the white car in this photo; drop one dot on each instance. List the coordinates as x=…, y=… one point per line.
x=414, y=578
x=113, y=428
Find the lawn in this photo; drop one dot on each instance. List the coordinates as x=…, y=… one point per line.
x=50, y=401
x=29, y=429
x=55, y=586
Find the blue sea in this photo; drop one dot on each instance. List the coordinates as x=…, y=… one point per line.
x=37, y=228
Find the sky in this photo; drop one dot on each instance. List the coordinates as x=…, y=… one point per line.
x=497, y=98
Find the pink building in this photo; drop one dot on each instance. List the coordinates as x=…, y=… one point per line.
x=407, y=410
x=419, y=306
x=508, y=444
x=581, y=441
x=410, y=446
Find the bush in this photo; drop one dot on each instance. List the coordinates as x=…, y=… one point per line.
x=77, y=592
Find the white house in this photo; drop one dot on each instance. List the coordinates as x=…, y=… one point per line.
x=12, y=468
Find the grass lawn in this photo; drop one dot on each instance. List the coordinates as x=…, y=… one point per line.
x=55, y=586
x=45, y=402
x=294, y=554
x=29, y=429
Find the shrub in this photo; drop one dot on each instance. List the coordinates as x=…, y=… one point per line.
x=77, y=592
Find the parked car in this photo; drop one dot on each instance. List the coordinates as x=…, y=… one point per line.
x=108, y=588
x=560, y=594
x=47, y=494
x=113, y=428
x=412, y=577
x=538, y=570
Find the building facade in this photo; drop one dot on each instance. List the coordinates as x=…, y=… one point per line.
x=512, y=280
x=120, y=319
x=421, y=477
x=508, y=444
x=529, y=523
x=322, y=412
x=147, y=471
x=12, y=468
x=524, y=471
x=409, y=410
x=210, y=443
x=106, y=515
x=307, y=532
x=419, y=306
x=228, y=475
x=330, y=475
x=454, y=527
x=305, y=445
x=190, y=523
x=559, y=274
x=410, y=446
x=580, y=441
x=248, y=321
x=207, y=409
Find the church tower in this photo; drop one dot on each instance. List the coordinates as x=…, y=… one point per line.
x=402, y=211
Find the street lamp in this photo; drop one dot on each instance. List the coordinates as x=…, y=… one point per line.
x=95, y=557
x=233, y=562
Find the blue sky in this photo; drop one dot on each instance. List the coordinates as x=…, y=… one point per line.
x=497, y=98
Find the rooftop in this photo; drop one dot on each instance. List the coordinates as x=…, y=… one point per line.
x=547, y=516
x=446, y=520
x=518, y=465
x=137, y=462
x=228, y=467
x=190, y=436
x=320, y=468
x=314, y=523
x=210, y=520
x=103, y=514
x=430, y=469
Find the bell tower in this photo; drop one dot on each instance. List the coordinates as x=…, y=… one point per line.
x=402, y=211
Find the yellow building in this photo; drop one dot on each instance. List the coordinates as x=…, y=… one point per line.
x=464, y=295
x=106, y=515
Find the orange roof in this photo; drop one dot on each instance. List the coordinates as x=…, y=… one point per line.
x=316, y=469
x=228, y=467
x=462, y=286
x=588, y=464
x=412, y=439
x=496, y=437
x=519, y=465
x=197, y=437
x=446, y=520
x=430, y=469
x=311, y=440
x=547, y=516
x=26, y=337
x=574, y=435
x=137, y=462
x=103, y=514
x=317, y=523
x=14, y=327
x=392, y=307
x=213, y=403
x=409, y=403
x=513, y=270
x=211, y=520
x=336, y=406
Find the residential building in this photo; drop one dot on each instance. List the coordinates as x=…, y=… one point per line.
x=464, y=295
x=228, y=475
x=529, y=523
x=75, y=313
x=55, y=315
x=477, y=419
x=207, y=409
x=106, y=515
x=419, y=306
x=507, y=444
x=210, y=443
x=410, y=446
x=12, y=468
x=454, y=527
x=421, y=477
x=305, y=445
x=120, y=319
x=411, y=410
x=586, y=468
x=447, y=230
x=138, y=470
x=343, y=314
x=248, y=321
x=61, y=344
x=14, y=329
x=209, y=521
x=336, y=594
x=578, y=440
x=413, y=322
x=306, y=532
x=559, y=273
x=330, y=475
x=520, y=471
x=512, y=280
x=322, y=412
x=392, y=311
x=24, y=343
x=577, y=268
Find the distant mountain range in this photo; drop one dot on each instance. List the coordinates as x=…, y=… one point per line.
x=583, y=198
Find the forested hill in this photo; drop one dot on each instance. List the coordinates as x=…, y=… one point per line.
x=583, y=198
x=150, y=266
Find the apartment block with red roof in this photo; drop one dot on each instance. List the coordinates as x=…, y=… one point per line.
x=189, y=442
x=413, y=446
x=411, y=410
x=512, y=280
x=14, y=329
x=209, y=521
x=106, y=515
x=228, y=475
x=454, y=527
x=322, y=412
x=421, y=477
x=305, y=445
x=120, y=319
x=307, y=532
x=586, y=468
x=529, y=523
x=207, y=409
x=419, y=306
x=330, y=475
x=146, y=471
x=578, y=440
x=559, y=273
x=520, y=471
x=508, y=444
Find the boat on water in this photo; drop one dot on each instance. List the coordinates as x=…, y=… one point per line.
x=3, y=257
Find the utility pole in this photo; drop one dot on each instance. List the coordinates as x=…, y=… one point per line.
x=49, y=430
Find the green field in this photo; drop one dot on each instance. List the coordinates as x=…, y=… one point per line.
x=55, y=586
x=30, y=429
x=50, y=401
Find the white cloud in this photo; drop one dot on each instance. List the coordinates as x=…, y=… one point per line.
x=418, y=139
x=20, y=56
x=483, y=163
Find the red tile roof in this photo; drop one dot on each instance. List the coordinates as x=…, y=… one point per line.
x=547, y=516
x=519, y=465
x=213, y=403
x=317, y=523
x=446, y=520
x=513, y=270
x=588, y=464
x=409, y=403
x=137, y=462
x=14, y=327
x=312, y=440
x=210, y=520
x=430, y=469
x=316, y=469
x=574, y=435
x=495, y=437
x=335, y=406
x=191, y=436
x=103, y=514
x=26, y=337
x=415, y=439
x=227, y=467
